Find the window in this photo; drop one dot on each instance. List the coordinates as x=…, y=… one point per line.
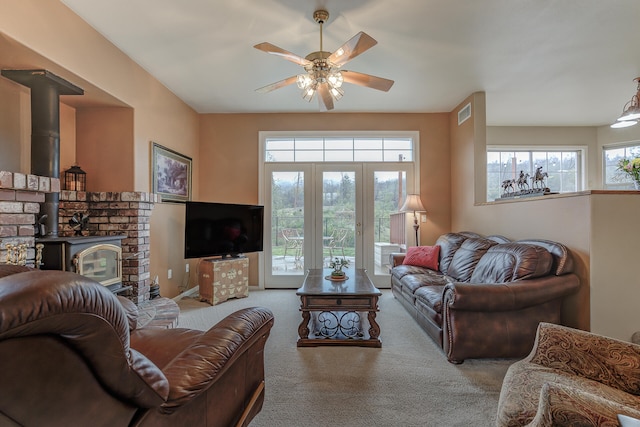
x=338, y=149
x=613, y=178
x=563, y=166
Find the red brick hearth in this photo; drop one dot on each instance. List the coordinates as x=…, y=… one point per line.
x=110, y=213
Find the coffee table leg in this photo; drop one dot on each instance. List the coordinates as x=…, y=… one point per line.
x=374, y=328
x=303, y=329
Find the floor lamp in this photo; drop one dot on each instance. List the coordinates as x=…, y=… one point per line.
x=413, y=204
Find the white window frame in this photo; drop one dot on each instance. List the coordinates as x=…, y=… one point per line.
x=625, y=182
x=323, y=148
x=580, y=149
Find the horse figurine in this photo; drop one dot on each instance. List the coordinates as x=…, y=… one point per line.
x=507, y=186
x=538, y=178
x=523, y=181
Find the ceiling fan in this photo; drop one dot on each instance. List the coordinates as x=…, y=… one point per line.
x=323, y=74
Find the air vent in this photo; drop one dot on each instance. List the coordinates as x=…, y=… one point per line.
x=464, y=114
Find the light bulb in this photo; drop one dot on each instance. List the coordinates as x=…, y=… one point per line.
x=335, y=79
x=307, y=94
x=336, y=93
x=304, y=81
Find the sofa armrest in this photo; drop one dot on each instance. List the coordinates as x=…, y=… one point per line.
x=396, y=258
x=508, y=296
x=568, y=406
x=609, y=361
x=195, y=369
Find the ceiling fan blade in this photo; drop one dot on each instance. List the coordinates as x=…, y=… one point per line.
x=275, y=50
x=277, y=85
x=358, y=44
x=324, y=98
x=367, y=80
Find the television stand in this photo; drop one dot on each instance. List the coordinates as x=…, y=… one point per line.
x=220, y=279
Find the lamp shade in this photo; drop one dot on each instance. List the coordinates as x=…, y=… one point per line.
x=412, y=204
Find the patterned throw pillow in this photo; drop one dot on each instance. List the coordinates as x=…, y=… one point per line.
x=423, y=256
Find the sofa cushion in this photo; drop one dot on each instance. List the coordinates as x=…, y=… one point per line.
x=449, y=243
x=562, y=259
x=430, y=296
x=402, y=270
x=423, y=256
x=467, y=257
x=508, y=262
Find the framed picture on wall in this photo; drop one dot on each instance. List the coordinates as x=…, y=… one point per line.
x=170, y=174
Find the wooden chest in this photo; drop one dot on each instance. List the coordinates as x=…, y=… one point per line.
x=221, y=279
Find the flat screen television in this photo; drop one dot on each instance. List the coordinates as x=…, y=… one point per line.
x=222, y=229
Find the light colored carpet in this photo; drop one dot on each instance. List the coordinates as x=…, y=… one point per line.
x=408, y=382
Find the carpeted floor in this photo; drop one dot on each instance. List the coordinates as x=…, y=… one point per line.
x=407, y=382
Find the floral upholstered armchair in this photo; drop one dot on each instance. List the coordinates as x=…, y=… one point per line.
x=572, y=378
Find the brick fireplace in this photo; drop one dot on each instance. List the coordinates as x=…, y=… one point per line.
x=110, y=214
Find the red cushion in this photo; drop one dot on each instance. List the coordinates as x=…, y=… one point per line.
x=423, y=256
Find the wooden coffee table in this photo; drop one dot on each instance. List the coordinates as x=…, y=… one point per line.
x=333, y=312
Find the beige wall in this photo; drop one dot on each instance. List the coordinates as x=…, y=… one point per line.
x=615, y=282
x=229, y=148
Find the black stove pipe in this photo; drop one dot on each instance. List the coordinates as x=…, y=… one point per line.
x=46, y=89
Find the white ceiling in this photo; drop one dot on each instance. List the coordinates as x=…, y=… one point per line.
x=540, y=62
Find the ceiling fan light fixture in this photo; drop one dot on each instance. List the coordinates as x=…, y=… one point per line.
x=623, y=124
x=323, y=74
x=304, y=81
x=630, y=111
x=307, y=94
x=336, y=92
x=335, y=79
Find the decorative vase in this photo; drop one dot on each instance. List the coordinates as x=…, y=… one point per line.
x=636, y=184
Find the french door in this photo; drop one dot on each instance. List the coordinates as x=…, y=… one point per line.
x=315, y=212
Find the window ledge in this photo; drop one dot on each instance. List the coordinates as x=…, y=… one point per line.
x=558, y=196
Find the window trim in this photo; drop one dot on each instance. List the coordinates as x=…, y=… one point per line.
x=414, y=136
x=583, y=149
x=615, y=146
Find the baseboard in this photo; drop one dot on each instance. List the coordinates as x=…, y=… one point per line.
x=187, y=293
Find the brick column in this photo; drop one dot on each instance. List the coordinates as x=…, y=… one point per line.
x=20, y=198
x=113, y=214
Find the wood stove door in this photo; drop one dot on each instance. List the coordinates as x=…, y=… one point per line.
x=101, y=263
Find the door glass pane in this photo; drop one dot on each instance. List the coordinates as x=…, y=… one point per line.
x=287, y=223
x=389, y=192
x=338, y=216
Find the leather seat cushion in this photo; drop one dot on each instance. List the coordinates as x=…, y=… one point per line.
x=430, y=296
x=413, y=282
x=403, y=270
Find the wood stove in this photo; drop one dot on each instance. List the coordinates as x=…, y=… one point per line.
x=96, y=257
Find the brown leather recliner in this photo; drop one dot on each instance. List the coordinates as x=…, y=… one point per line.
x=70, y=356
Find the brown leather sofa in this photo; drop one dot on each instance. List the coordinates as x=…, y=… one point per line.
x=488, y=294
x=71, y=355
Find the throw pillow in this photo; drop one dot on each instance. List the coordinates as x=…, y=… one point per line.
x=423, y=256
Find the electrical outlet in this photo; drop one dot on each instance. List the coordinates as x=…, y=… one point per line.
x=186, y=267
x=423, y=218
x=169, y=274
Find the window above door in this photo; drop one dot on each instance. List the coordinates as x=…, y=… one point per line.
x=343, y=147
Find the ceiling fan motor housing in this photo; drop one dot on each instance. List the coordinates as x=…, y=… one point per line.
x=321, y=16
